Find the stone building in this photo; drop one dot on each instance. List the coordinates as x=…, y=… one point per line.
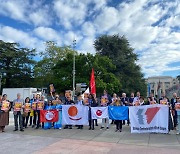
x=166, y=82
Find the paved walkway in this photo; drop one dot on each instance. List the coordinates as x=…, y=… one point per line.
x=86, y=141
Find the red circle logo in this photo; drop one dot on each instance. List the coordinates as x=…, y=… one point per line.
x=99, y=112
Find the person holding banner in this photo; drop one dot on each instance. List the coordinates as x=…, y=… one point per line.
x=177, y=107
x=4, y=112
x=151, y=99
x=80, y=102
x=125, y=102
x=105, y=101
x=139, y=102
x=92, y=103
x=114, y=98
x=18, y=105
x=37, y=105
x=137, y=98
x=27, y=108
x=162, y=97
x=49, y=106
x=174, y=112
x=58, y=107
x=68, y=101
x=118, y=123
x=165, y=102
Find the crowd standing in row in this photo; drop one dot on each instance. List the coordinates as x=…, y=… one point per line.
x=27, y=112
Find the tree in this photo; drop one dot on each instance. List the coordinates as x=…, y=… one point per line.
x=43, y=69
x=121, y=53
x=103, y=66
x=16, y=63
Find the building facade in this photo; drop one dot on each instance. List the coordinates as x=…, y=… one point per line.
x=165, y=82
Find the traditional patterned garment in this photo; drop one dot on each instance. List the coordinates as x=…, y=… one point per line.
x=58, y=124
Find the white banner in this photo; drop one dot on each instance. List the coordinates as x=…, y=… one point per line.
x=149, y=118
x=99, y=112
x=75, y=115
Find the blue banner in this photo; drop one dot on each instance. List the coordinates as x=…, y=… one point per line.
x=118, y=112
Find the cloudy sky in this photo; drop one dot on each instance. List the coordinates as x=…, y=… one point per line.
x=151, y=26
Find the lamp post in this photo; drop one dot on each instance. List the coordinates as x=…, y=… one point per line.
x=74, y=68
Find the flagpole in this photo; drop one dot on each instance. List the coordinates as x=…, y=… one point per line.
x=74, y=68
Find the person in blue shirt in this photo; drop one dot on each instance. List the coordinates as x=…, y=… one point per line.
x=58, y=124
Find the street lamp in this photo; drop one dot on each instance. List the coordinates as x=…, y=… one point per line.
x=74, y=68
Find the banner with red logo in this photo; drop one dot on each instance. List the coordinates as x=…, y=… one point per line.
x=75, y=115
x=149, y=118
x=49, y=115
x=99, y=112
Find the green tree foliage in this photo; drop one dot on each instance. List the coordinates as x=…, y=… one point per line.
x=103, y=66
x=56, y=67
x=43, y=69
x=16, y=65
x=121, y=53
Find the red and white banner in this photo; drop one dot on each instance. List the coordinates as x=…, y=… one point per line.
x=99, y=112
x=75, y=115
x=149, y=118
x=49, y=115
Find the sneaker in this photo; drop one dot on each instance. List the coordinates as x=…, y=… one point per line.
x=37, y=128
x=116, y=130
x=89, y=128
x=101, y=128
x=22, y=130
x=120, y=130
x=15, y=130
x=33, y=126
x=107, y=128
x=177, y=133
x=60, y=128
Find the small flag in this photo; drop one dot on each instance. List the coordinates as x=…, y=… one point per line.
x=49, y=116
x=99, y=112
x=118, y=112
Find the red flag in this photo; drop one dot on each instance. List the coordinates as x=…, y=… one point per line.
x=92, y=83
x=49, y=116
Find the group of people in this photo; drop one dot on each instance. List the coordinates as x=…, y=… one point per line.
x=27, y=112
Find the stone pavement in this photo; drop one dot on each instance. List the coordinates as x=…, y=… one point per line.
x=86, y=141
